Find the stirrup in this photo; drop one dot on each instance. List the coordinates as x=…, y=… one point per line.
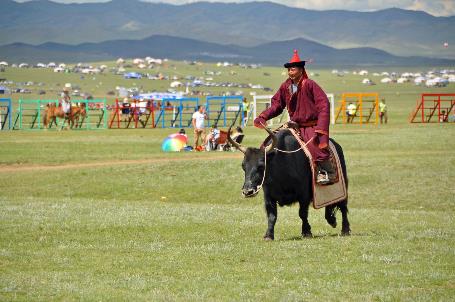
x=323, y=178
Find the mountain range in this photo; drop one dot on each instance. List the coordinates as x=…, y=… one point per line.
x=272, y=53
x=398, y=31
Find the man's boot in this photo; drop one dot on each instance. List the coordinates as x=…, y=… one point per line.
x=326, y=172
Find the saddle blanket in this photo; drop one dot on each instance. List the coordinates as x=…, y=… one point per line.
x=324, y=195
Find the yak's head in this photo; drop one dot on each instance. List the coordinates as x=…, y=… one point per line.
x=254, y=164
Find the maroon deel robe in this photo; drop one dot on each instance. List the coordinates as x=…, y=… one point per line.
x=308, y=105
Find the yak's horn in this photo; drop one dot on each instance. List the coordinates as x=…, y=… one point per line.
x=274, y=140
x=234, y=143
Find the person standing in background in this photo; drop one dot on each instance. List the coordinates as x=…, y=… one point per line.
x=383, y=111
x=198, y=121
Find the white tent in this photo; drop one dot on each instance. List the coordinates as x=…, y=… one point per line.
x=438, y=82
x=419, y=80
x=3, y=63
x=402, y=80
x=430, y=83
x=363, y=72
x=154, y=61
x=386, y=80
x=367, y=82
x=175, y=84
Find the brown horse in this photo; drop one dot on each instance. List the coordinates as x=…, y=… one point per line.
x=53, y=112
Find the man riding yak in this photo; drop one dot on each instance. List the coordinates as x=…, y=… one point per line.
x=308, y=107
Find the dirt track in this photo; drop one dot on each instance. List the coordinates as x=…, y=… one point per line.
x=31, y=167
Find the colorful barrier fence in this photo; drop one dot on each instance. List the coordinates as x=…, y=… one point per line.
x=225, y=110
x=434, y=108
x=31, y=115
x=364, y=110
x=5, y=114
x=132, y=114
x=176, y=113
x=221, y=110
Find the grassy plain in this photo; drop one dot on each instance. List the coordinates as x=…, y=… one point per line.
x=105, y=215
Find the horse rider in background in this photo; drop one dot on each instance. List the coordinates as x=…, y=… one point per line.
x=66, y=103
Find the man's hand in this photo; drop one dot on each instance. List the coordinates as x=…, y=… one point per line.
x=321, y=140
x=259, y=122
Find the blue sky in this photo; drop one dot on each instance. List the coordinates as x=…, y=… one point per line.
x=434, y=7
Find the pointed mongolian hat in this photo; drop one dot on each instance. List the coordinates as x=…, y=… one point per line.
x=295, y=61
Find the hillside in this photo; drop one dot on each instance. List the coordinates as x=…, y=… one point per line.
x=273, y=53
x=397, y=31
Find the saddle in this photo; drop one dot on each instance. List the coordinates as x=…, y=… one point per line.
x=323, y=195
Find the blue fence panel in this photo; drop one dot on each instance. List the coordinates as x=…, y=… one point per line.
x=222, y=109
x=6, y=113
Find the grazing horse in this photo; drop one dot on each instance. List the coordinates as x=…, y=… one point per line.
x=53, y=112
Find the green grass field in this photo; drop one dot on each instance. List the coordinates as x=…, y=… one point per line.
x=106, y=216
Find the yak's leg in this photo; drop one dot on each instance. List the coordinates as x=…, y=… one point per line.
x=345, y=227
x=330, y=215
x=303, y=213
x=272, y=213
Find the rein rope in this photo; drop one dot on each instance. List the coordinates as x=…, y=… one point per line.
x=265, y=163
x=296, y=150
x=263, y=176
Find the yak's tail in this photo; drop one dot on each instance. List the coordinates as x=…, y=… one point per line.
x=331, y=210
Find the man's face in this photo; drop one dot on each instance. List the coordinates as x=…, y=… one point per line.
x=202, y=109
x=295, y=72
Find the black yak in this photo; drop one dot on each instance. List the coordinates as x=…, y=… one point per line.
x=286, y=178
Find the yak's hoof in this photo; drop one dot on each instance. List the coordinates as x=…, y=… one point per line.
x=268, y=238
x=307, y=235
x=346, y=232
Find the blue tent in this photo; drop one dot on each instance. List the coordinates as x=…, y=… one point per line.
x=4, y=90
x=132, y=75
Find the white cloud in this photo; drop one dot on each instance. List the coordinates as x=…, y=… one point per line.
x=437, y=8
x=434, y=7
